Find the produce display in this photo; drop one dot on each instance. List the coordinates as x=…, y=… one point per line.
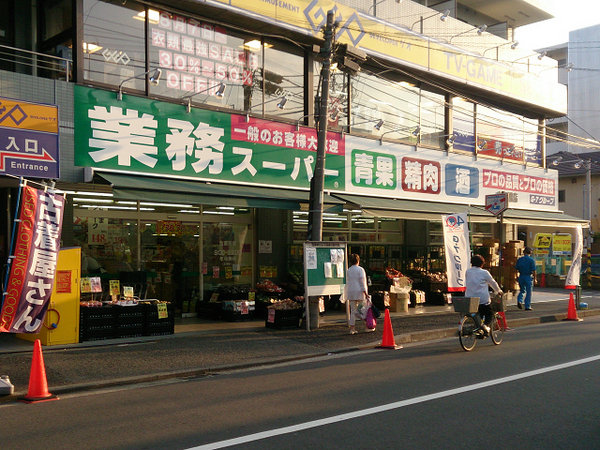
x=268, y=286
x=285, y=305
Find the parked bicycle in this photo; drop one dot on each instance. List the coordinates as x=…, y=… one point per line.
x=471, y=328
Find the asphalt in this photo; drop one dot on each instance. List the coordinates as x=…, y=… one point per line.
x=203, y=347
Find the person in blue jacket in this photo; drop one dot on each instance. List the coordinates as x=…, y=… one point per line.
x=527, y=270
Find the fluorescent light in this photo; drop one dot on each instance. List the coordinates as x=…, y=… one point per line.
x=174, y=205
x=93, y=194
x=97, y=200
x=219, y=212
x=254, y=45
x=153, y=16
x=191, y=211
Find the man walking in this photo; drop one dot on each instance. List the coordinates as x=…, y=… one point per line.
x=527, y=270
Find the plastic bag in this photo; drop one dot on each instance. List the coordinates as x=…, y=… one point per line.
x=370, y=321
x=362, y=310
x=376, y=313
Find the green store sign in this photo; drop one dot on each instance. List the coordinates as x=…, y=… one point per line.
x=150, y=137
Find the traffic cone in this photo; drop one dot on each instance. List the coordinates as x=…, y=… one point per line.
x=572, y=311
x=543, y=280
x=388, y=334
x=38, y=386
x=504, y=324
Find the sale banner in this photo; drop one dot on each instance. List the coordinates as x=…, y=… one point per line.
x=33, y=261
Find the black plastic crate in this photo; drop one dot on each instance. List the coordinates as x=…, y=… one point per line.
x=283, y=319
x=96, y=333
x=130, y=314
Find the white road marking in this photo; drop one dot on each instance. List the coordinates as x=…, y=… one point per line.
x=388, y=407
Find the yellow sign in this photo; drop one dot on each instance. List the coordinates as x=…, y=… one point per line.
x=398, y=43
x=28, y=116
x=114, y=286
x=561, y=244
x=542, y=240
x=163, y=313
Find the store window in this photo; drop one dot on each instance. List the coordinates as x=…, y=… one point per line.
x=463, y=125
x=396, y=103
x=114, y=46
x=55, y=18
x=433, y=108
x=110, y=242
x=499, y=134
x=227, y=254
x=197, y=56
x=282, y=77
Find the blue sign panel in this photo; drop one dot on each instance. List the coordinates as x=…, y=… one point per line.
x=462, y=181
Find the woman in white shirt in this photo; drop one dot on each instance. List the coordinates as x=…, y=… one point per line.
x=478, y=282
x=356, y=289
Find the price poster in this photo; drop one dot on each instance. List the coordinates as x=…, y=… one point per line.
x=63, y=281
x=162, y=310
x=128, y=291
x=115, y=287
x=96, y=284
x=97, y=230
x=86, y=286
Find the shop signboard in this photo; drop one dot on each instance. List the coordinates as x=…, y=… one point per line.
x=397, y=171
x=542, y=243
x=142, y=136
x=148, y=137
x=28, y=139
x=395, y=42
x=561, y=244
x=496, y=204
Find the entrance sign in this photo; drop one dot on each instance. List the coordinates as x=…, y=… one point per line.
x=496, y=204
x=458, y=250
x=28, y=139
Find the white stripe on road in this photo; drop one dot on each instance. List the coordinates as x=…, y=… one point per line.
x=388, y=407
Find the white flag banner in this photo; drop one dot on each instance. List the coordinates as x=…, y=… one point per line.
x=574, y=274
x=458, y=250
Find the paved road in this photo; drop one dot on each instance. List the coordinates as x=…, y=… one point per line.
x=536, y=390
x=213, y=347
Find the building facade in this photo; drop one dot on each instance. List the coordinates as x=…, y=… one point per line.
x=188, y=132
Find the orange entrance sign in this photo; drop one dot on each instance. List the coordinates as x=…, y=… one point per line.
x=28, y=116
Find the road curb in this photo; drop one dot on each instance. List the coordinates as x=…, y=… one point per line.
x=403, y=338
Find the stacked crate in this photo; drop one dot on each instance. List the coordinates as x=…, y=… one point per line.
x=130, y=321
x=156, y=326
x=96, y=323
x=512, y=251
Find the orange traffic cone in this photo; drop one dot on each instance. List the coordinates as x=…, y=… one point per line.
x=388, y=334
x=572, y=311
x=38, y=386
x=504, y=324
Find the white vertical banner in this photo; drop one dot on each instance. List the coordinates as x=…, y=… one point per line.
x=573, y=276
x=458, y=250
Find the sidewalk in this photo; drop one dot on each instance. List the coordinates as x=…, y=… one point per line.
x=199, y=347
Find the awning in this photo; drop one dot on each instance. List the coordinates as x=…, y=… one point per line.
x=414, y=209
x=542, y=218
x=420, y=210
x=152, y=189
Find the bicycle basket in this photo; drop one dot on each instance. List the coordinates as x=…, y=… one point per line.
x=465, y=304
x=499, y=302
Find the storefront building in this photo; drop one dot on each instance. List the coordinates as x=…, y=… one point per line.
x=188, y=138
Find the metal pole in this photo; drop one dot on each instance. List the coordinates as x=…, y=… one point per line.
x=588, y=181
x=317, y=183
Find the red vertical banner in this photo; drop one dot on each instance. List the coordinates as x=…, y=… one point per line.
x=33, y=262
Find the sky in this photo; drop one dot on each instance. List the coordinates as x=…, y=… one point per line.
x=569, y=15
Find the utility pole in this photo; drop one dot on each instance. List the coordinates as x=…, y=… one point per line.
x=317, y=183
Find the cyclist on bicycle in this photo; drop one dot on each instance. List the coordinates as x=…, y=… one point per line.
x=478, y=282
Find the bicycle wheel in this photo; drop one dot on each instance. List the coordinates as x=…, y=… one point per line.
x=466, y=333
x=497, y=329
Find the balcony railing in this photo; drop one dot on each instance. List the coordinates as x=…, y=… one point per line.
x=37, y=64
